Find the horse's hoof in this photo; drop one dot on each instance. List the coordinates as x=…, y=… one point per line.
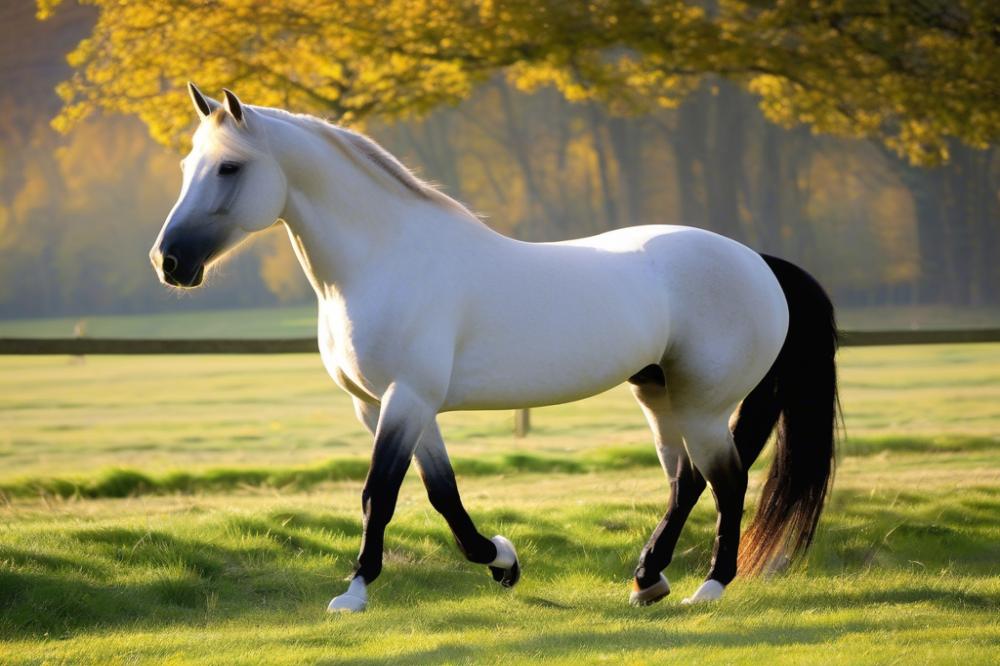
x=710, y=590
x=346, y=603
x=507, y=577
x=352, y=601
x=649, y=595
x=505, y=568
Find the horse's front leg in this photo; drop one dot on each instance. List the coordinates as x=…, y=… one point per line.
x=402, y=419
x=442, y=489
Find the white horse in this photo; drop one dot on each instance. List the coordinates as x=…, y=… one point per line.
x=424, y=309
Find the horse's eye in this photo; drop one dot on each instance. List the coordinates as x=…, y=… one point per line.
x=228, y=168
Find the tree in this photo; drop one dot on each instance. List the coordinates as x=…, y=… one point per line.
x=912, y=74
x=565, y=128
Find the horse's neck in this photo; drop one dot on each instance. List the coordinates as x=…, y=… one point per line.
x=346, y=227
x=333, y=248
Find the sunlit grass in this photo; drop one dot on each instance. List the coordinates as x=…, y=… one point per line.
x=237, y=516
x=897, y=569
x=287, y=322
x=158, y=414
x=300, y=321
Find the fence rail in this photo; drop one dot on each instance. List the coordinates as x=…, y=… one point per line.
x=134, y=346
x=126, y=346
x=919, y=337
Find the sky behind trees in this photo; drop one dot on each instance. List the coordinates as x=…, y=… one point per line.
x=553, y=141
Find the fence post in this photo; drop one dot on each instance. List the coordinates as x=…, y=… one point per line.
x=522, y=422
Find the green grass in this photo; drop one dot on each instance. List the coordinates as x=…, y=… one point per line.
x=62, y=417
x=287, y=322
x=300, y=321
x=894, y=575
x=123, y=482
x=205, y=509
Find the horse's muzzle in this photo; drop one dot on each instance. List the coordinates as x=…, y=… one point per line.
x=178, y=266
x=186, y=280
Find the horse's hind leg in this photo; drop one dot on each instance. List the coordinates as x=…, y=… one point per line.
x=710, y=446
x=442, y=490
x=686, y=486
x=723, y=449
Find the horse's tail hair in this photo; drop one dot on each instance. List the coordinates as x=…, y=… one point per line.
x=800, y=396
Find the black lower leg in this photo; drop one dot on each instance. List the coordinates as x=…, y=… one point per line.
x=755, y=420
x=442, y=490
x=686, y=485
x=390, y=460
x=729, y=493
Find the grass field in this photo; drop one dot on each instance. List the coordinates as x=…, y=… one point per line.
x=109, y=555
x=286, y=322
x=300, y=321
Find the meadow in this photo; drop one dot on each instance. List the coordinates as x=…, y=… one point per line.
x=205, y=509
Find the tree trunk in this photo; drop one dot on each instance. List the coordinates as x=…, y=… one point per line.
x=725, y=161
x=767, y=213
x=688, y=142
x=517, y=143
x=925, y=187
x=607, y=195
x=625, y=143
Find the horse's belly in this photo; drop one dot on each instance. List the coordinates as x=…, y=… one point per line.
x=550, y=365
x=528, y=389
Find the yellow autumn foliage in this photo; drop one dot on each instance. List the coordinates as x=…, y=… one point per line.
x=913, y=75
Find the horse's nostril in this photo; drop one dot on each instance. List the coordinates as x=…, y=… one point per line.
x=169, y=264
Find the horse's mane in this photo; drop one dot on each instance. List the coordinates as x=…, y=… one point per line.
x=375, y=159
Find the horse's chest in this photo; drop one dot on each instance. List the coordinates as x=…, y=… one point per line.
x=352, y=360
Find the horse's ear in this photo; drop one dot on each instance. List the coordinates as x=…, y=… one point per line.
x=203, y=105
x=234, y=107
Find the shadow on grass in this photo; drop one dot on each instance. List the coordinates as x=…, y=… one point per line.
x=122, y=576
x=595, y=645
x=660, y=633
x=283, y=561
x=130, y=482
x=926, y=594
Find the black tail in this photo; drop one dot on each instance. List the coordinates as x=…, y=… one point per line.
x=800, y=395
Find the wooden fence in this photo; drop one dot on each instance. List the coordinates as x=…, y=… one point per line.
x=84, y=346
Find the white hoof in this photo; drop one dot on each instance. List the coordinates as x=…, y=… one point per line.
x=352, y=601
x=710, y=590
x=505, y=568
x=506, y=555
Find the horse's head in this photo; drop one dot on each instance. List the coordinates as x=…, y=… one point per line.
x=232, y=187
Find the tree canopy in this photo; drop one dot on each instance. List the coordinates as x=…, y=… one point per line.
x=911, y=73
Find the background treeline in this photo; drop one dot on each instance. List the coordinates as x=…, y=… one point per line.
x=79, y=212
